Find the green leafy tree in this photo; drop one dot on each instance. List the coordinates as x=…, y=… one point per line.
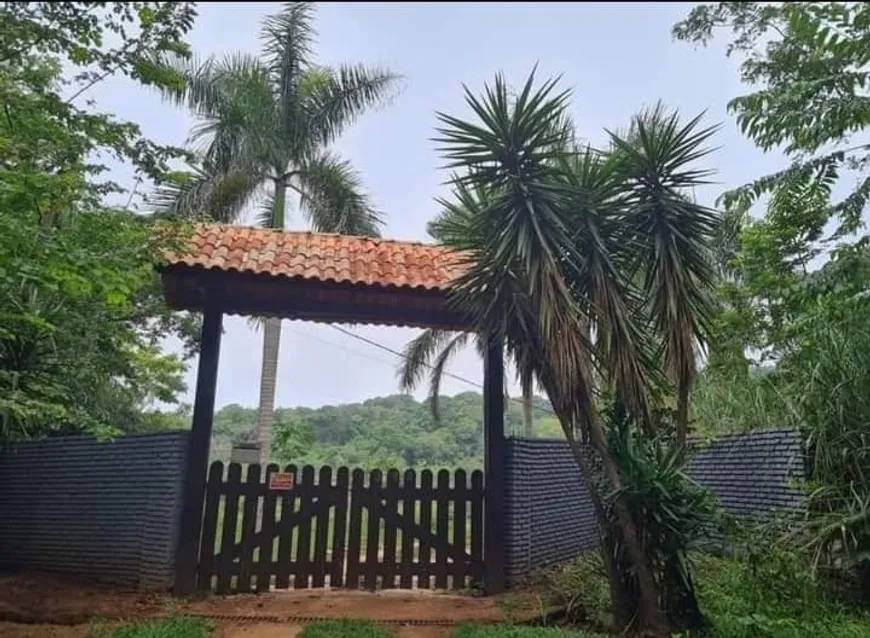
x=265, y=125
x=82, y=316
x=799, y=271
x=399, y=429
x=580, y=261
x=807, y=64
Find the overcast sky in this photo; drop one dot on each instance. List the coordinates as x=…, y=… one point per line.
x=617, y=58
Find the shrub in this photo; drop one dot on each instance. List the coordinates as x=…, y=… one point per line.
x=671, y=511
x=770, y=593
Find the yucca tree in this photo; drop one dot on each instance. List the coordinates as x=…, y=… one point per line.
x=560, y=270
x=672, y=235
x=263, y=133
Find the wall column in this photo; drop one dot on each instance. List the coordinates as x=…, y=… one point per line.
x=494, y=467
x=187, y=554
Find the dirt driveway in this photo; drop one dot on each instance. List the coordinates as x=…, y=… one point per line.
x=225, y=630
x=53, y=607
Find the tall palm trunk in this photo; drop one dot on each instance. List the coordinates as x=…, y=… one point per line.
x=268, y=380
x=271, y=346
x=528, y=413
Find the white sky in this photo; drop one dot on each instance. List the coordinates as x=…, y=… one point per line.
x=617, y=58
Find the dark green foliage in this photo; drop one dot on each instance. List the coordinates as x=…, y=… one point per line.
x=81, y=313
x=761, y=592
x=795, y=281
x=395, y=431
x=770, y=593
x=171, y=628
x=671, y=510
x=346, y=629
x=79, y=344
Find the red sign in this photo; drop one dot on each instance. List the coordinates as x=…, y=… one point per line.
x=281, y=481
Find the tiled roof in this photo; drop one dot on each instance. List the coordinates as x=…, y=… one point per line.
x=320, y=257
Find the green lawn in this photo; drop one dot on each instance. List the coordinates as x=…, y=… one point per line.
x=346, y=629
x=351, y=629
x=172, y=628
x=472, y=631
x=196, y=628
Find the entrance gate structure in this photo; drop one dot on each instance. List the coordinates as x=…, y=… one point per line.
x=337, y=279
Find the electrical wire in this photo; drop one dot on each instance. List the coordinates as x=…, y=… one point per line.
x=401, y=355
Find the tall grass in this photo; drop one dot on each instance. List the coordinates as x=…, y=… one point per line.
x=821, y=385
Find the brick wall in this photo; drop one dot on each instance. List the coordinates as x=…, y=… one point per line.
x=549, y=514
x=548, y=511
x=103, y=510
x=751, y=474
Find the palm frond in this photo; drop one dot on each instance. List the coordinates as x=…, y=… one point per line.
x=332, y=198
x=519, y=235
x=418, y=355
x=288, y=38
x=672, y=235
x=266, y=211
x=335, y=98
x=241, y=128
x=207, y=195
x=196, y=85
x=594, y=195
x=450, y=350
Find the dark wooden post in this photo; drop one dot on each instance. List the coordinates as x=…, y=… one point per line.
x=187, y=554
x=494, y=446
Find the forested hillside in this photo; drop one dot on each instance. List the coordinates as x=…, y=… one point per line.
x=393, y=431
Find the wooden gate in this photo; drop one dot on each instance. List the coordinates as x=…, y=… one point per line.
x=352, y=530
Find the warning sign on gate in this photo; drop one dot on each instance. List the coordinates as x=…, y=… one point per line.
x=281, y=481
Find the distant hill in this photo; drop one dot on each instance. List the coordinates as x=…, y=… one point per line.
x=394, y=431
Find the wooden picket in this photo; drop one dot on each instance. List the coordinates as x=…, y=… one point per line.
x=356, y=531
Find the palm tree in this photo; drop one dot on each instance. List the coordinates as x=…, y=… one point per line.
x=560, y=269
x=432, y=350
x=263, y=132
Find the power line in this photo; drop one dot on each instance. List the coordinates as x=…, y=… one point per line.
x=364, y=355
x=403, y=356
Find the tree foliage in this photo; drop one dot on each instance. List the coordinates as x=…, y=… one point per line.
x=82, y=318
x=384, y=432
x=794, y=282
x=264, y=129
x=593, y=267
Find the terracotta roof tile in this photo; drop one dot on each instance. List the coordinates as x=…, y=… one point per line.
x=320, y=257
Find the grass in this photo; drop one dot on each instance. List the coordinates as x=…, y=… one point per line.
x=356, y=629
x=345, y=629
x=774, y=597
x=171, y=628
x=771, y=595
x=507, y=631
